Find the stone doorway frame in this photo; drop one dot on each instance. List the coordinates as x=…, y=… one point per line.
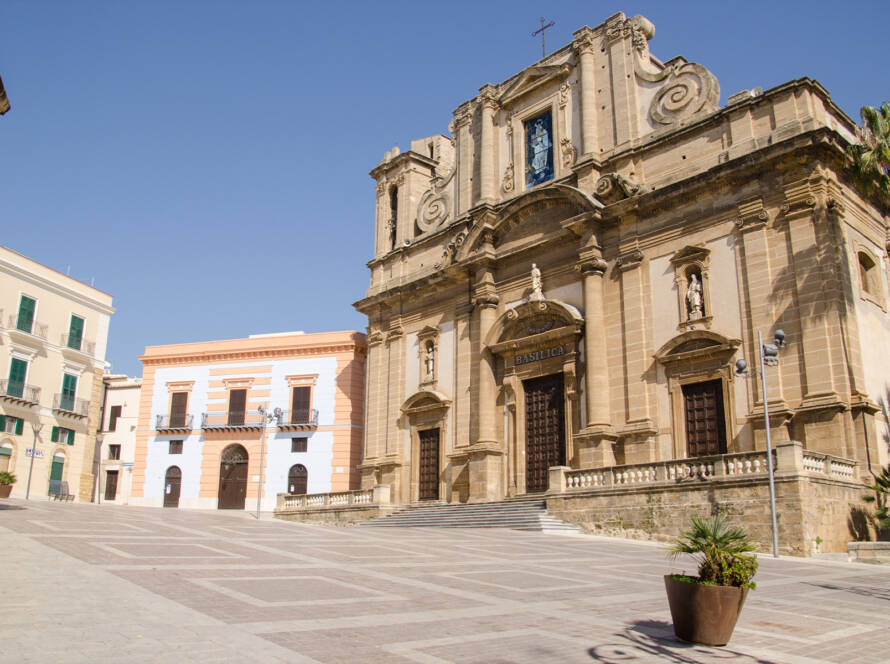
x=426, y=409
x=521, y=331
x=699, y=356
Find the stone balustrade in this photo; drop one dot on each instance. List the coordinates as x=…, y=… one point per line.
x=788, y=457
x=379, y=495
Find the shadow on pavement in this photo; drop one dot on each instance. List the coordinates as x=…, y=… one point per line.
x=648, y=639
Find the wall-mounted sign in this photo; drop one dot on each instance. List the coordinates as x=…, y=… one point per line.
x=38, y=454
x=538, y=355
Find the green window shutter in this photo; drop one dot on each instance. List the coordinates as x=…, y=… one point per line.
x=26, y=314
x=75, y=332
x=71, y=436
x=18, y=369
x=69, y=388
x=2, y=423
x=56, y=471
x=19, y=426
x=5, y=451
x=54, y=436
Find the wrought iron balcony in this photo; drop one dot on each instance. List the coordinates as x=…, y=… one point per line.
x=298, y=419
x=33, y=327
x=232, y=419
x=75, y=342
x=70, y=405
x=19, y=391
x=174, y=422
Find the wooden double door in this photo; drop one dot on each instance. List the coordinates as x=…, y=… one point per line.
x=428, y=480
x=233, y=478
x=705, y=420
x=544, y=429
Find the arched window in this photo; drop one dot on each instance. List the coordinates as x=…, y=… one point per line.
x=297, y=479
x=393, y=215
x=867, y=274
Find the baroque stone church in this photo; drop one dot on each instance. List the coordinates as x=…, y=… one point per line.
x=567, y=279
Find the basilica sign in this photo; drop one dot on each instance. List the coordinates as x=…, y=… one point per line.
x=538, y=355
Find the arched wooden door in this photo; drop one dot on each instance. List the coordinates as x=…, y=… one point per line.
x=297, y=479
x=233, y=478
x=172, y=484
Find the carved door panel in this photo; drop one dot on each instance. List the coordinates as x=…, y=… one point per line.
x=544, y=429
x=705, y=423
x=172, y=484
x=233, y=478
x=429, y=465
x=297, y=479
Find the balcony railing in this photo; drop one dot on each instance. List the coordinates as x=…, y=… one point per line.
x=232, y=419
x=19, y=390
x=298, y=419
x=34, y=328
x=75, y=342
x=68, y=404
x=174, y=421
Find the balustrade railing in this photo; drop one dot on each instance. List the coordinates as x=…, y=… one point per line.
x=318, y=500
x=31, y=326
x=69, y=404
x=787, y=457
x=75, y=342
x=174, y=421
x=302, y=417
x=232, y=418
x=19, y=390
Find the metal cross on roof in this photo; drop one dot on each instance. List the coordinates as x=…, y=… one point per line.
x=541, y=32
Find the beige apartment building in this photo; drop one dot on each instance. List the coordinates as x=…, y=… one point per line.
x=562, y=286
x=117, y=437
x=53, y=336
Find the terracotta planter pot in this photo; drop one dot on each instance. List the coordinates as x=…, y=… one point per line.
x=704, y=614
x=5, y=490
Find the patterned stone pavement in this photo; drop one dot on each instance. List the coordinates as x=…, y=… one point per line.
x=90, y=583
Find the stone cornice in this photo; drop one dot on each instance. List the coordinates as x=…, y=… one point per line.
x=258, y=354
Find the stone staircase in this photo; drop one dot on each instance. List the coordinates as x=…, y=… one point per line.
x=519, y=514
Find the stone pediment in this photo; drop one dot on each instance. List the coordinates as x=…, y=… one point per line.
x=690, y=254
x=698, y=345
x=534, y=321
x=532, y=79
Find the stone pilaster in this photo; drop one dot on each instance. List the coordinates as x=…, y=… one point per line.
x=584, y=50
x=594, y=444
x=487, y=148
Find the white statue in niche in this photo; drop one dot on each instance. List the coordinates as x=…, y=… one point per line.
x=430, y=360
x=537, y=284
x=694, y=306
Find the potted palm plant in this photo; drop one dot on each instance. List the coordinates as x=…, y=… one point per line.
x=6, y=482
x=705, y=608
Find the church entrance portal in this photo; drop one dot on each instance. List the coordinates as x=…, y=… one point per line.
x=429, y=464
x=233, y=478
x=544, y=429
x=705, y=429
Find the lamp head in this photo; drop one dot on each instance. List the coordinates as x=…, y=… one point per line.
x=277, y=412
x=779, y=337
x=741, y=367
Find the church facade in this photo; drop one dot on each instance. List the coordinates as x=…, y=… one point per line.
x=569, y=279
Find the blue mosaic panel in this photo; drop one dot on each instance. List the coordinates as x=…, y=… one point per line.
x=539, y=150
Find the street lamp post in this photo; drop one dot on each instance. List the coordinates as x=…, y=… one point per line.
x=37, y=426
x=769, y=356
x=98, y=454
x=267, y=417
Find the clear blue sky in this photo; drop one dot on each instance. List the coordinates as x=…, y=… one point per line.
x=207, y=162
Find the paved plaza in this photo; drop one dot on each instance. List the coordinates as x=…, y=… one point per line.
x=97, y=584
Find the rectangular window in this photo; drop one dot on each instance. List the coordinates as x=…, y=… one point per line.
x=112, y=418
x=69, y=389
x=539, y=149
x=299, y=445
x=299, y=413
x=178, y=406
x=114, y=452
x=13, y=425
x=237, y=407
x=18, y=369
x=175, y=447
x=62, y=435
x=25, y=321
x=75, y=332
